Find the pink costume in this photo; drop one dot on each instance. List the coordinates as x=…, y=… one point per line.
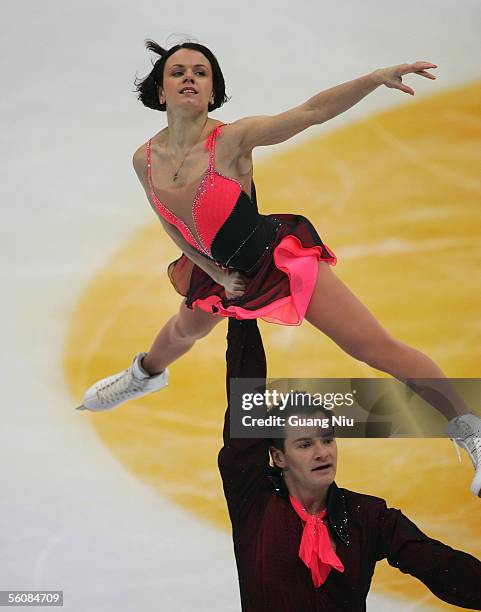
x=277, y=254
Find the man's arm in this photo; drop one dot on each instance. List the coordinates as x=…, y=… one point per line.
x=243, y=462
x=452, y=575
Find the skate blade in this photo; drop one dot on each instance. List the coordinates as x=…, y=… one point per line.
x=81, y=407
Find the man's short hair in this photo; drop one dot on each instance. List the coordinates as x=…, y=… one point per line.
x=302, y=409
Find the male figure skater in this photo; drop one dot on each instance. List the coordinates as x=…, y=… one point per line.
x=302, y=543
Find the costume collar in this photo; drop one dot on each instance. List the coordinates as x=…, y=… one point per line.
x=337, y=516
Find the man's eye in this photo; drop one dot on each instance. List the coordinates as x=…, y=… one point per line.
x=304, y=444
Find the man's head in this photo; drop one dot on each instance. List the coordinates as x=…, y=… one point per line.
x=306, y=451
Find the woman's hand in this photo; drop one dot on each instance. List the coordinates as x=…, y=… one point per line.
x=232, y=281
x=392, y=76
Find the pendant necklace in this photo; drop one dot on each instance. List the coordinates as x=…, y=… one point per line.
x=176, y=172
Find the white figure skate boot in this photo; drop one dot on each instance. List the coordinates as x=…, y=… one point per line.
x=118, y=388
x=465, y=431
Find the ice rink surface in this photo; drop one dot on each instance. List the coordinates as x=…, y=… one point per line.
x=73, y=518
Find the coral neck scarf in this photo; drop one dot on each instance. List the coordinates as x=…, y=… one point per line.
x=316, y=549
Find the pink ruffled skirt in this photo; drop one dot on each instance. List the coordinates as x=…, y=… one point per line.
x=281, y=287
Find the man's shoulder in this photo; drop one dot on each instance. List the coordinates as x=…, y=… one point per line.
x=362, y=501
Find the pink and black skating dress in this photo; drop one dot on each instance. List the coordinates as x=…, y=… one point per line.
x=278, y=254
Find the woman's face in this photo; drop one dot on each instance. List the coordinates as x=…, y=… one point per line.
x=187, y=81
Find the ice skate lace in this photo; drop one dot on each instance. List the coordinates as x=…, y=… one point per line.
x=124, y=386
x=470, y=441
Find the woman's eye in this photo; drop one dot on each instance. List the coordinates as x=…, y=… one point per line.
x=180, y=72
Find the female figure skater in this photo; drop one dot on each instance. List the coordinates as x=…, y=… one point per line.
x=235, y=262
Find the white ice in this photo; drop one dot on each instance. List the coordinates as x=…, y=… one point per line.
x=72, y=518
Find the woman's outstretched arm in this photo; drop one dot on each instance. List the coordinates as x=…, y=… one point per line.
x=257, y=131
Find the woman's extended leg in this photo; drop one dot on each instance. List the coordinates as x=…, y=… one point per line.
x=337, y=312
x=178, y=336
x=148, y=372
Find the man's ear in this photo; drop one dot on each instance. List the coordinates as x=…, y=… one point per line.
x=277, y=457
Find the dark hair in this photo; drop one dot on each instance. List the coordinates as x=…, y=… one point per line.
x=149, y=86
x=292, y=408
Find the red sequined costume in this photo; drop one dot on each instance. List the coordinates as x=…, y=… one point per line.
x=278, y=253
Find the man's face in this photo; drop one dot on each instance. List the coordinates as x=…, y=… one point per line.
x=309, y=460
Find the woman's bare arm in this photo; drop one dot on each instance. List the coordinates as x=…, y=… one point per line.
x=251, y=132
x=231, y=280
x=209, y=267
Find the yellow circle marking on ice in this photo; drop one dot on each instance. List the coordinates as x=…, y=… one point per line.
x=396, y=196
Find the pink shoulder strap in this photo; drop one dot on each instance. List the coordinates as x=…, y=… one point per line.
x=148, y=160
x=210, y=145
